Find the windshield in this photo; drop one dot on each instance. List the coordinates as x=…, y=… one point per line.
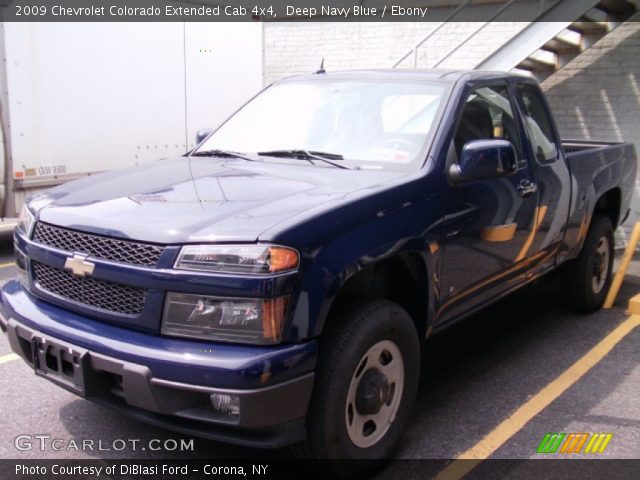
x=370, y=124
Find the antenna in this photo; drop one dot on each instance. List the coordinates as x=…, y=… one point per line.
x=322, y=70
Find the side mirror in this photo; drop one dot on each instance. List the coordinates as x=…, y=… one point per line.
x=483, y=160
x=202, y=134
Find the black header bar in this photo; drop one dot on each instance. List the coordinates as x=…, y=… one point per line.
x=278, y=10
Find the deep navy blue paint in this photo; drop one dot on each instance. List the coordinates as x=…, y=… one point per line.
x=341, y=221
x=485, y=159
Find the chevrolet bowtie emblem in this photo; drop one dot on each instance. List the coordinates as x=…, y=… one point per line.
x=79, y=266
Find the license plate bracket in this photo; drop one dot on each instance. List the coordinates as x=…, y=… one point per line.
x=62, y=364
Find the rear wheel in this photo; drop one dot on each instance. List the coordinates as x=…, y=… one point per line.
x=366, y=384
x=589, y=276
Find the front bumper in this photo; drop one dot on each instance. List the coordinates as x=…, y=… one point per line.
x=156, y=385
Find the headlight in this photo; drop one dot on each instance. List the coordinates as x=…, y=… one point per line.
x=244, y=259
x=26, y=220
x=227, y=319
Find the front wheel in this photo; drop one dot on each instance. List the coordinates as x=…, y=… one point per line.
x=367, y=381
x=588, y=277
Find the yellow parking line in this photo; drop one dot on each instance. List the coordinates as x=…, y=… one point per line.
x=509, y=427
x=7, y=265
x=9, y=358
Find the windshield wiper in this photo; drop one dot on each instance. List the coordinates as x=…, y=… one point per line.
x=223, y=153
x=307, y=155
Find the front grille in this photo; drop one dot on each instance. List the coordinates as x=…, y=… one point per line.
x=124, y=251
x=91, y=292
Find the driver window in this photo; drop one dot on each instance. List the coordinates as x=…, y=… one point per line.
x=487, y=115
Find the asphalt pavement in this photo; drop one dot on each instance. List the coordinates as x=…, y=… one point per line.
x=475, y=375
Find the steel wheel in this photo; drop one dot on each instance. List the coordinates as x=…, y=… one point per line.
x=588, y=276
x=374, y=394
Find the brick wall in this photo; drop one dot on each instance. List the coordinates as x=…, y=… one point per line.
x=298, y=47
x=597, y=95
x=292, y=48
x=482, y=44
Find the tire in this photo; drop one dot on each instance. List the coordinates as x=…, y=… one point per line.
x=366, y=385
x=588, y=277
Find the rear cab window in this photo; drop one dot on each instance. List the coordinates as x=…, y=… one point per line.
x=538, y=124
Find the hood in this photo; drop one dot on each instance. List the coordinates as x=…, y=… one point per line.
x=200, y=199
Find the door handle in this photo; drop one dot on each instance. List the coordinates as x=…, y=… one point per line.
x=454, y=232
x=527, y=188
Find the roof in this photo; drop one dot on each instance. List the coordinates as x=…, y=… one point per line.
x=423, y=74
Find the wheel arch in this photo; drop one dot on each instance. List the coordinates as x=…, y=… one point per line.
x=609, y=204
x=402, y=278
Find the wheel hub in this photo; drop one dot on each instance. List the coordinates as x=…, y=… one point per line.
x=601, y=259
x=598, y=265
x=372, y=393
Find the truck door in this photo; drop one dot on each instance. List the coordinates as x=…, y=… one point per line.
x=552, y=175
x=491, y=224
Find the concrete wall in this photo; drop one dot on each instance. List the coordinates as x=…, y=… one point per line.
x=597, y=95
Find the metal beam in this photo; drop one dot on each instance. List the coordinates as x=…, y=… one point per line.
x=534, y=36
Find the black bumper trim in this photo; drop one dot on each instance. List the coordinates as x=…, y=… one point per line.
x=276, y=437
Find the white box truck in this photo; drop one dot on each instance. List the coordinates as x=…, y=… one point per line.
x=82, y=98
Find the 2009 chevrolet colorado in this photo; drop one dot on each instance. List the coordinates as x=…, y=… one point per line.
x=275, y=284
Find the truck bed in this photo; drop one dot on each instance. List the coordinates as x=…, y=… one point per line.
x=597, y=168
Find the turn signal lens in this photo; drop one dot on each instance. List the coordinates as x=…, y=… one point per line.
x=273, y=318
x=281, y=259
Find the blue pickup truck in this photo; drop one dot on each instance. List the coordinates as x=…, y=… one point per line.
x=275, y=285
